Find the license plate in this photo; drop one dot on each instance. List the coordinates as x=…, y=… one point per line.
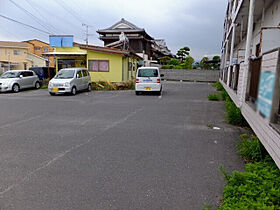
x=55, y=90
x=147, y=88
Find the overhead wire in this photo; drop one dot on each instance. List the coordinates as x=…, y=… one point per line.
x=33, y=7
x=69, y=10
x=40, y=22
x=27, y=25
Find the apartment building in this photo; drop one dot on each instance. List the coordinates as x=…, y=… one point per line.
x=38, y=47
x=15, y=55
x=250, y=68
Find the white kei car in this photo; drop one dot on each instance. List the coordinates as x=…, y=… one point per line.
x=148, y=79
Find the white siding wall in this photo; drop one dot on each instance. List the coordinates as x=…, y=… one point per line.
x=271, y=63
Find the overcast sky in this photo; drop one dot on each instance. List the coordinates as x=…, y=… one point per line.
x=197, y=24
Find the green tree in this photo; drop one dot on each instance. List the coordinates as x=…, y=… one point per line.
x=164, y=60
x=216, y=62
x=174, y=62
x=204, y=63
x=183, y=53
x=189, y=62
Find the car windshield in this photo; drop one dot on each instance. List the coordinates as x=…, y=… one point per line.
x=9, y=75
x=65, y=74
x=148, y=73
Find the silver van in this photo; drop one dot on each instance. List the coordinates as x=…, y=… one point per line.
x=70, y=80
x=15, y=80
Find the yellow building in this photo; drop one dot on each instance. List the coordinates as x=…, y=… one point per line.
x=39, y=47
x=15, y=55
x=103, y=63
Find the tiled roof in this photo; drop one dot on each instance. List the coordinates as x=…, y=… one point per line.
x=104, y=49
x=13, y=44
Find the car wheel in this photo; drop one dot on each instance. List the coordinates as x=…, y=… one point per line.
x=15, y=88
x=159, y=93
x=52, y=94
x=89, y=88
x=137, y=93
x=37, y=85
x=74, y=91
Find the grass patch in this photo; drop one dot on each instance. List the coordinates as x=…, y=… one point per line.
x=218, y=86
x=44, y=87
x=213, y=97
x=233, y=114
x=251, y=149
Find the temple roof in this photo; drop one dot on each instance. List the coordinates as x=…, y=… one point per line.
x=123, y=26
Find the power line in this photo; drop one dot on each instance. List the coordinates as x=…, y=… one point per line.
x=69, y=10
x=24, y=24
x=30, y=14
x=33, y=6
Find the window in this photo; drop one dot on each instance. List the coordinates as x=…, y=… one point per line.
x=37, y=48
x=16, y=52
x=147, y=73
x=98, y=65
x=79, y=73
x=85, y=74
x=46, y=49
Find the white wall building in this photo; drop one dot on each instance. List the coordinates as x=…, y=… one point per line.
x=250, y=68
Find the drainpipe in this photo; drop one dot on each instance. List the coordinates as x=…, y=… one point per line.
x=231, y=52
x=248, y=48
x=249, y=31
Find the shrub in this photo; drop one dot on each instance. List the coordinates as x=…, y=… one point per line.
x=101, y=85
x=178, y=67
x=213, y=97
x=233, y=114
x=107, y=86
x=168, y=67
x=256, y=188
x=174, y=62
x=250, y=148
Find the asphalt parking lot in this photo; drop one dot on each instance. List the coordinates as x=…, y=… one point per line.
x=114, y=150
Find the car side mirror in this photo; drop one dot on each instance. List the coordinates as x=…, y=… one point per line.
x=162, y=75
x=78, y=76
x=21, y=76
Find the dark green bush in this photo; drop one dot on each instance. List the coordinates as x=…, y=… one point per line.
x=213, y=97
x=250, y=148
x=256, y=188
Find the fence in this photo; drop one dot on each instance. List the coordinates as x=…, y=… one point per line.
x=191, y=75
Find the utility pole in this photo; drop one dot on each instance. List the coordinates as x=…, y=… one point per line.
x=9, y=65
x=87, y=34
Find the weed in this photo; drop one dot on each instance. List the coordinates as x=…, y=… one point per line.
x=44, y=87
x=250, y=148
x=256, y=188
x=213, y=97
x=233, y=114
x=218, y=86
x=209, y=125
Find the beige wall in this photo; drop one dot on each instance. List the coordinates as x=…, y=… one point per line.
x=8, y=54
x=37, y=47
